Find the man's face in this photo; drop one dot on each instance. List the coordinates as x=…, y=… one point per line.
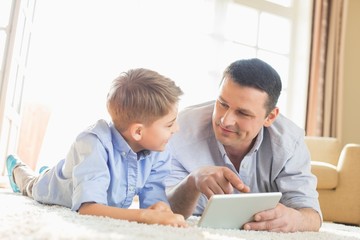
x=239, y=114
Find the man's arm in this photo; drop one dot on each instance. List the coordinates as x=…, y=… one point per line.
x=311, y=220
x=184, y=196
x=208, y=181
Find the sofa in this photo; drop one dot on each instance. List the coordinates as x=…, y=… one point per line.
x=337, y=169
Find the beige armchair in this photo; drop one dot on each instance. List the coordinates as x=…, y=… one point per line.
x=337, y=169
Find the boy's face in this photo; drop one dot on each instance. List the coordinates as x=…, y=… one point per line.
x=156, y=136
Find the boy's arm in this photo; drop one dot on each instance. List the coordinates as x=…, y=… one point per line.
x=156, y=214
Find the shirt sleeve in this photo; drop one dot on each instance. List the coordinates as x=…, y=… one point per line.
x=178, y=173
x=296, y=181
x=90, y=173
x=154, y=188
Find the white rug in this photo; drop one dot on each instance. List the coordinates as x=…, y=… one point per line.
x=23, y=218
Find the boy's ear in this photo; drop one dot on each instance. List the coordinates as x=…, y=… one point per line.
x=136, y=131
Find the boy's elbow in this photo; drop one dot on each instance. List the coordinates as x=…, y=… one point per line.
x=86, y=208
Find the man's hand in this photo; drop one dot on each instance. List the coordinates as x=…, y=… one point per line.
x=217, y=180
x=285, y=219
x=207, y=180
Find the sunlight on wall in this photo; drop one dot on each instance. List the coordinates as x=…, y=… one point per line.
x=79, y=47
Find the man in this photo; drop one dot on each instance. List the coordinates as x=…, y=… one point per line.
x=241, y=143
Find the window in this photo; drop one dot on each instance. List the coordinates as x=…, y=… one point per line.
x=81, y=46
x=16, y=19
x=277, y=31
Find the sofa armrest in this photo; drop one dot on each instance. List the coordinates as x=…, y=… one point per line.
x=349, y=161
x=343, y=203
x=326, y=174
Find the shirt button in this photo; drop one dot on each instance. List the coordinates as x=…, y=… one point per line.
x=244, y=166
x=123, y=153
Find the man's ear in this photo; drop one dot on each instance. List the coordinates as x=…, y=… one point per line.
x=271, y=117
x=136, y=131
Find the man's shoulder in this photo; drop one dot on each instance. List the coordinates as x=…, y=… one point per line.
x=285, y=135
x=285, y=127
x=197, y=112
x=195, y=124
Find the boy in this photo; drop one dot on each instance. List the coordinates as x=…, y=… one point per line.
x=110, y=163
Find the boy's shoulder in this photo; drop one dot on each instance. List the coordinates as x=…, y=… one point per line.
x=101, y=129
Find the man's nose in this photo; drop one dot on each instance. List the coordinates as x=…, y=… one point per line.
x=228, y=119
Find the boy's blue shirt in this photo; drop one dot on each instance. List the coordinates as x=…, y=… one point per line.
x=101, y=167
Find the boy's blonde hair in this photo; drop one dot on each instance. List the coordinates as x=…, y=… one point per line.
x=141, y=96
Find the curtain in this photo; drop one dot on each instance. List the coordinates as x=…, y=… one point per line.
x=325, y=80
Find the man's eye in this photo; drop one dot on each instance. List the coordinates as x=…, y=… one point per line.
x=243, y=114
x=223, y=104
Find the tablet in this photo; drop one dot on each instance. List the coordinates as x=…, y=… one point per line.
x=232, y=211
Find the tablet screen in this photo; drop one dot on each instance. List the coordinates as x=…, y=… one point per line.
x=232, y=211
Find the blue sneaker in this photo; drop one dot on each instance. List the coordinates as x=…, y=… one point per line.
x=11, y=162
x=43, y=168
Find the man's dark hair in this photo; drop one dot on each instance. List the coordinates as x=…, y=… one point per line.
x=257, y=74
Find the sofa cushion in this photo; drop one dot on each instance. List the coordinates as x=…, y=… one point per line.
x=327, y=175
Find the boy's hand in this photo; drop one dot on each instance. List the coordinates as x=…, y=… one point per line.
x=162, y=216
x=161, y=206
x=158, y=213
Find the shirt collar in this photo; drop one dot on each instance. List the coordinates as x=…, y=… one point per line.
x=121, y=144
x=258, y=141
x=143, y=154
